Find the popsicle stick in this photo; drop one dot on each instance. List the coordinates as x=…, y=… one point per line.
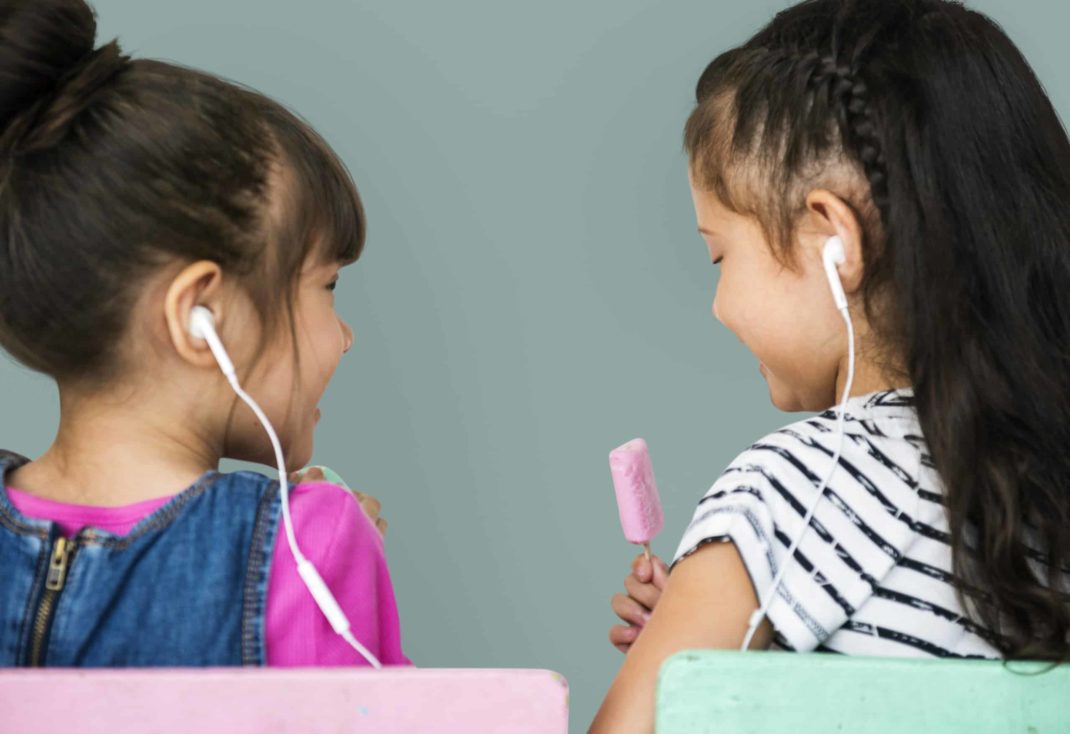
x=646, y=550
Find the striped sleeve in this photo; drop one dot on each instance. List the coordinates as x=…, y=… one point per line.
x=758, y=503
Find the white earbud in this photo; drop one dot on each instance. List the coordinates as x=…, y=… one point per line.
x=201, y=321
x=202, y=326
x=832, y=254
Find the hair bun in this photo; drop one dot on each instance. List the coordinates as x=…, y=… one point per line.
x=48, y=66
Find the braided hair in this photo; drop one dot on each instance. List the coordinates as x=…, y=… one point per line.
x=856, y=121
x=929, y=123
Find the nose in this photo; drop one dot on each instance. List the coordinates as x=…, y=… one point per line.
x=347, y=336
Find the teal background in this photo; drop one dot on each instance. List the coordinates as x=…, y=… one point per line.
x=532, y=295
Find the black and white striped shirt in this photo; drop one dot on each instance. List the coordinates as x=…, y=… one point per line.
x=872, y=575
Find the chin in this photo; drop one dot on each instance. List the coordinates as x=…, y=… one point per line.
x=295, y=457
x=298, y=459
x=299, y=453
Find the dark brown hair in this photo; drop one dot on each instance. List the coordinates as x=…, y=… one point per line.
x=927, y=119
x=111, y=168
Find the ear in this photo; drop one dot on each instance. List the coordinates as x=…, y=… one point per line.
x=828, y=215
x=199, y=284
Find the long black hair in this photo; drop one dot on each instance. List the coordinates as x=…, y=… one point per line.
x=929, y=122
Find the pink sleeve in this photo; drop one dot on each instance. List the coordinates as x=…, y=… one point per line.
x=345, y=547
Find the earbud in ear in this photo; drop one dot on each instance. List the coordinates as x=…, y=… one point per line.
x=202, y=326
x=201, y=321
x=832, y=254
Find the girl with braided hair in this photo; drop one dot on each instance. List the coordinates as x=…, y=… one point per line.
x=916, y=133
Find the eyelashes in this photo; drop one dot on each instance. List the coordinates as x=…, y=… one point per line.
x=332, y=285
x=718, y=260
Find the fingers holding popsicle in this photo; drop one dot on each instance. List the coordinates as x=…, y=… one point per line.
x=647, y=580
x=630, y=610
x=650, y=570
x=643, y=589
x=621, y=636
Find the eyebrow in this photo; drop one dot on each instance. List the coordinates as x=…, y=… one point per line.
x=703, y=230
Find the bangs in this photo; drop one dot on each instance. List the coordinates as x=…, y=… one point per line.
x=725, y=136
x=730, y=163
x=320, y=213
x=708, y=137
x=327, y=198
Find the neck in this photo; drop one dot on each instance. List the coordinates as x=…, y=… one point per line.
x=869, y=376
x=112, y=451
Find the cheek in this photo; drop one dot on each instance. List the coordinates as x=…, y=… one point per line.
x=768, y=314
x=744, y=307
x=809, y=342
x=324, y=342
x=731, y=300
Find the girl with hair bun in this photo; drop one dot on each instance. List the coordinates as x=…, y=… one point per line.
x=131, y=192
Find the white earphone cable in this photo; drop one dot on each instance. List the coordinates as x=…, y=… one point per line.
x=763, y=609
x=326, y=601
x=202, y=326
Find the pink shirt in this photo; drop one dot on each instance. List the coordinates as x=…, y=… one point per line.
x=332, y=531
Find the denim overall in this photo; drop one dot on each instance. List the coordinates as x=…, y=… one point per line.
x=185, y=587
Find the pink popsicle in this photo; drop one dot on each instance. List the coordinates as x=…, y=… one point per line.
x=637, y=493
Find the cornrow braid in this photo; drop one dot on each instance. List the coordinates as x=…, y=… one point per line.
x=858, y=127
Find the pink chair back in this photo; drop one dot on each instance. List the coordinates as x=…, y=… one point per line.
x=309, y=701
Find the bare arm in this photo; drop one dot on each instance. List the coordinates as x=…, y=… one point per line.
x=707, y=603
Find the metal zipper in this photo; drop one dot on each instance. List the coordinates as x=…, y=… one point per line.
x=62, y=550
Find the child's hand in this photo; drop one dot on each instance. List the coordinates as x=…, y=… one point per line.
x=369, y=504
x=371, y=508
x=644, y=586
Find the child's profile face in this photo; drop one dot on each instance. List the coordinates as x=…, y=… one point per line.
x=786, y=319
x=289, y=391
